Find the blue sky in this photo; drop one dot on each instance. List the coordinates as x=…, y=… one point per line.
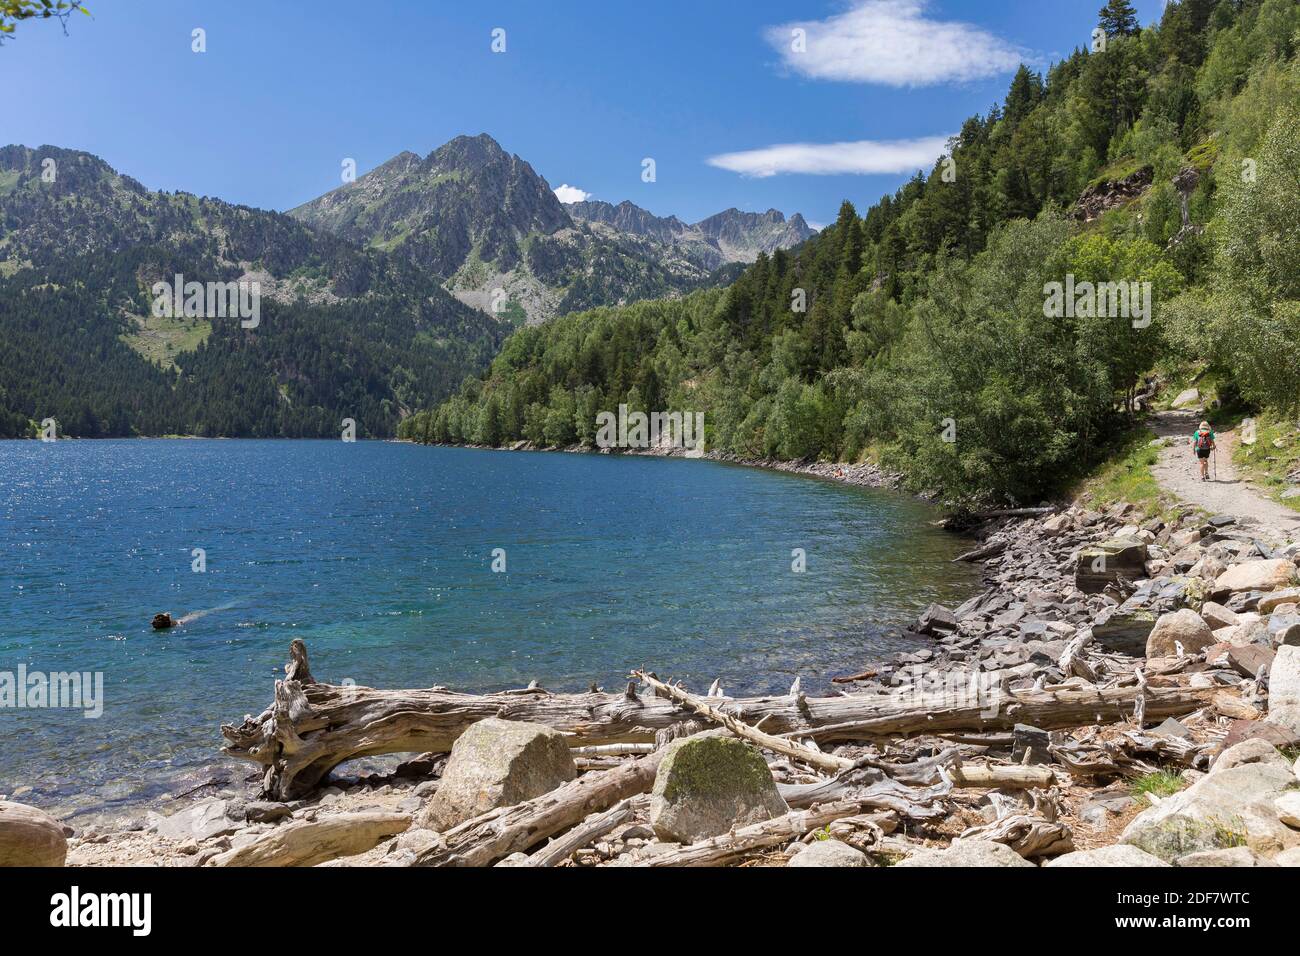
x=584, y=91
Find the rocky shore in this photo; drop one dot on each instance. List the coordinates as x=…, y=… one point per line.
x=861, y=474
x=1125, y=691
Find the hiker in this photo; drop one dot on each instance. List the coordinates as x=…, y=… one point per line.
x=1203, y=445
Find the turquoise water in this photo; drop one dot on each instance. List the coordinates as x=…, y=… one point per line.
x=380, y=556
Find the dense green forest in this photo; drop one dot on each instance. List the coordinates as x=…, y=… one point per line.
x=344, y=332
x=923, y=340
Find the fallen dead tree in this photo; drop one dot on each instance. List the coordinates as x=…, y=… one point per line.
x=494, y=835
x=309, y=842
x=311, y=727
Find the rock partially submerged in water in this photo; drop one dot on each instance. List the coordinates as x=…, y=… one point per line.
x=30, y=837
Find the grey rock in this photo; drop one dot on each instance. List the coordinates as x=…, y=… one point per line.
x=706, y=786
x=936, y=619
x=1284, y=679
x=1106, y=563
x=1283, y=596
x=1123, y=632
x=1249, y=751
x=267, y=812
x=1217, y=616
x=829, y=853
x=497, y=763
x=202, y=821
x=1284, y=629
x=1232, y=856
x=1030, y=745
x=1185, y=628
x=964, y=853
x=1118, y=855
x=1172, y=728
x=1232, y=807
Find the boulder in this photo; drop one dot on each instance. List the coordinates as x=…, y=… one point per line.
x=1185, y=538
x=936, y=620
x=1286, y=717
x=1106, y=563
x=1123, y=632
x=965, y=853
x=706, y=786
x=1217, y=616
x=1232, y=856
x=205, y=820
x=1289, y=857
x=1269, y=602
x=1187, y=398
x=1229, y=808
x=267, y=812
x=1288, y=808
x=30, y=837
x=1283, y=629
x=1264, y=575
x=1246, y=752
x=1185, y=628
x=829, y=853
x=1265, y=730
x=1284, y=679
x=1249, y=661
x=498, y=763
x=1030, y=745
x=1118, y=855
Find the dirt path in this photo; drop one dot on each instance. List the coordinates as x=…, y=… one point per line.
x=1178, y=473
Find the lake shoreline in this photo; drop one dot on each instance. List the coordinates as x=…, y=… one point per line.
x=1030, y=631
x=860, y=474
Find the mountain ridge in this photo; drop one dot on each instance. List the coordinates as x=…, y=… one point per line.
x=492, y=229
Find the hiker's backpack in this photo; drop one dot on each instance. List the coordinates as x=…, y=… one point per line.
x=1202, y=440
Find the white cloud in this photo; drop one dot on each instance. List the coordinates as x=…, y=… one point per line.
x=566, y=193
x=863, y=157
x=893, y=42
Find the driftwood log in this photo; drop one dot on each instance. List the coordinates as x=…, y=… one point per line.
x=732, y=846
x=311, y=727
x=312, y=842
x=494, y=835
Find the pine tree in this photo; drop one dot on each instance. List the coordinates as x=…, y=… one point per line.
x=1118, y=18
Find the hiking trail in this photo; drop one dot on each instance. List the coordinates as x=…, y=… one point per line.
x=1177, y=472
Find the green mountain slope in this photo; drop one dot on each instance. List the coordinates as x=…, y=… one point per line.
x=344, y=332
x=922, y=333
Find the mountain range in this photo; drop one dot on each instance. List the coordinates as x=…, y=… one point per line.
x=377, y=298
x=493, y=230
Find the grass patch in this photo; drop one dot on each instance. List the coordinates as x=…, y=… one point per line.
x=1274, y=455
x=1230, y=834
x=1120, y=169
x=160, y=340
x=1124, y=474
x=1161, y=783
